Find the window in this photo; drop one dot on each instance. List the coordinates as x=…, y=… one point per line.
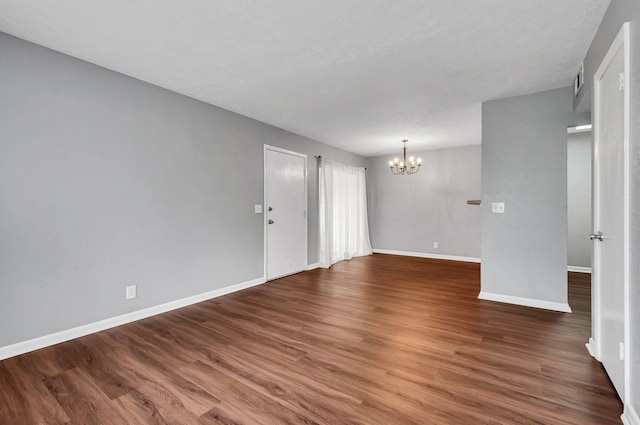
x=344, y=227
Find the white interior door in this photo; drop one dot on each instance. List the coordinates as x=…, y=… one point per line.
x=609, y=216
x=285, y=215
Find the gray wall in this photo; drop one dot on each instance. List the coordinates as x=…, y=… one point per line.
x=621, y=11
x=579, y=199
x=107, y=181
x=524, y=164
x=409, y=213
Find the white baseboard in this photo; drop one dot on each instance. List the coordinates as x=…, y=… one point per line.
x=579, y=269
x=591, y=348
x=527, y=302
x=313, y=266
x=428, y=255
x=630, y=416
x=69, y=334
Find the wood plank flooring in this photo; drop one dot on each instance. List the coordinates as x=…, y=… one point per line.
x=376, y=340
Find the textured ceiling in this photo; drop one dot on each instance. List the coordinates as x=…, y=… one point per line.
x=357, y=74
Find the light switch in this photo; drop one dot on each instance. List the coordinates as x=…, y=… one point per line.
x=497, y=207
x=258, y=208
x=132, y=292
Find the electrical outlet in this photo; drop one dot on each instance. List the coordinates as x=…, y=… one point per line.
x=131, y=292
x=435, y=245
x=497, y=207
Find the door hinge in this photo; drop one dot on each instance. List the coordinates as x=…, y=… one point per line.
x=621, y=81
x=621, y=349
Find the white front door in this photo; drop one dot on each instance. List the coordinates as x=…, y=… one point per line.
x=609, y=216
x=285, y=215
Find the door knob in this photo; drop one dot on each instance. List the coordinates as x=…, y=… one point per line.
x=270, y=221
x=595, y=236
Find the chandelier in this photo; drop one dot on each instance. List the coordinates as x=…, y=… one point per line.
x=405, y=167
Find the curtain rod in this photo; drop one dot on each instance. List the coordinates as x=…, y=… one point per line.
x=320, y=157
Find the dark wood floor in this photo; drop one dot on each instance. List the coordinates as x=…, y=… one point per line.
x=375, y=340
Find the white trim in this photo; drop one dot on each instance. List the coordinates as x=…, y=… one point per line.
x=621, y=41
x=627, y=209
x=312, y=266
x=428, y=255
x=630, y=416
x=579, y=269
x=527, y=302
x=266, y=207
x=580, y=129
x=112, y=322
x=591, y=348
x=287, y=274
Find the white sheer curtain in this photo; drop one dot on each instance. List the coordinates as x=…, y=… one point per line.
x=344, y=227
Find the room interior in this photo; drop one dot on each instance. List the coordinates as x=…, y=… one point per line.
x=132, y=153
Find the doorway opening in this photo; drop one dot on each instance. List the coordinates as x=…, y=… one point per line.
x=579, y=246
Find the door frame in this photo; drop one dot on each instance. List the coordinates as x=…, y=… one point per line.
x=265, y=206
x=594, y=345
